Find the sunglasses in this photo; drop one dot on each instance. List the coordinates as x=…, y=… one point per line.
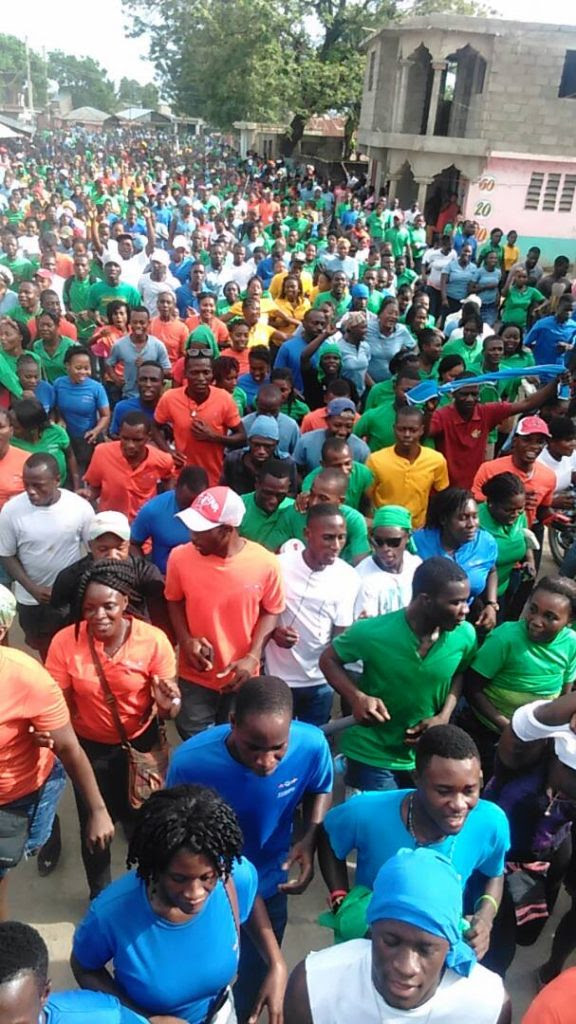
x=387, y=542
x=199, y=353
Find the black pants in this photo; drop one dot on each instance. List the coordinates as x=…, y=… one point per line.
x=110, y=766
x=39, y=623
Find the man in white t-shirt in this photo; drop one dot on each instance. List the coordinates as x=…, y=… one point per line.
x=320, y=593
x=560, y=454
x=386, y=575
x=42, y=531
x=158, y=280
x=434, y=263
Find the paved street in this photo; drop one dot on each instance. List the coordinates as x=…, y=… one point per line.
x=56, y=903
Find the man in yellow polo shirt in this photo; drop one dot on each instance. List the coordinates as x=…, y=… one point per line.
x=406, y=473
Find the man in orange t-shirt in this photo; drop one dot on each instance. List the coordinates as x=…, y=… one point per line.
x=555, y=1003
x=539, y=481
x=123, y=475
x=168, y=327
x=224, y=595
x=201, y=416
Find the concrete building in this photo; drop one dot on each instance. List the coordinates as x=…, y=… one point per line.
x=323, y=138
x=481, y=109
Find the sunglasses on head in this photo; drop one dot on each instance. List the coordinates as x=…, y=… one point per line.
x=199, y=353
x=387, y=542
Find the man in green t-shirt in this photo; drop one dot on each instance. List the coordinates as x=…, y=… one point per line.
x=270, y=515
x=329, y=488
x=336, y=454
x=398, y=238
x=76, y=294
x=104, y=292
x=21, y=268
x=412, y=665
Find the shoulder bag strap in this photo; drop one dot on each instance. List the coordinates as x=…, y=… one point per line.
x=109, y=696
x=233, y=900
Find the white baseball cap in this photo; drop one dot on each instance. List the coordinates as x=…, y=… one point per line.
x=181, y=242
x=160, y=256
x=109, y=522
x=217, y=506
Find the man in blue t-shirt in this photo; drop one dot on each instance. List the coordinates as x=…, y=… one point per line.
x=552, y=337
x=444, y=812
x=150, y=384
x=158, y=519
x=289, y=354
x=25, y=996
x=264, y=765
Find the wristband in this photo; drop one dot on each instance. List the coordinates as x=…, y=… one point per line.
x=253, y=656
x=487, y=896
x=337, y=896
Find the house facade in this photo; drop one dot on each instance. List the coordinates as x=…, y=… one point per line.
x=481, y=109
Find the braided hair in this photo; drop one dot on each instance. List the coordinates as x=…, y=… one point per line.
x=109, y=572
x=192, y=817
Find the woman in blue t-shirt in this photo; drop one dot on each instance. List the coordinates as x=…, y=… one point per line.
x=82, y=403
x=452, y=531
x=171, y=929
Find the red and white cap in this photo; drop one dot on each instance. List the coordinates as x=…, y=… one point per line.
x=218, y=506
x=532, y=425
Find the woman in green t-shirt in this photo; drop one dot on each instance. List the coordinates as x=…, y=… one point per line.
x=520, y=299
x=503, y=516
x=33, y=432
x=516, y=357
x=521, y=661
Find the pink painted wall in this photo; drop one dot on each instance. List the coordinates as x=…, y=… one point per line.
x=497, y=200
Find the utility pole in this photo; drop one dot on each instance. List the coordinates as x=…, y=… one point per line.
x=29, y=82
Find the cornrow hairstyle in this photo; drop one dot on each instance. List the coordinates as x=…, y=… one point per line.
x=194, y=818
x=120, y=576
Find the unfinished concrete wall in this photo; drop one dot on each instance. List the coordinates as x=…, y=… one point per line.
x=523, y=112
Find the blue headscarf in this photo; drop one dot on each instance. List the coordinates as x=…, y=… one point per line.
x=420, y=887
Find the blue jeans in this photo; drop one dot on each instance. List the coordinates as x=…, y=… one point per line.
x=489, y=313
x=369, y=777
x=313, y=704
x=252, y=969
x=40, y=807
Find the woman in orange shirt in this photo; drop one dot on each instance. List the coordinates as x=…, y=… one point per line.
x=31, y=777
x=207, y=316
x=11, y=461
x=140, y=668
x=101, y=346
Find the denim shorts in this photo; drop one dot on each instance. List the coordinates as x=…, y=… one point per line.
x=40, y=807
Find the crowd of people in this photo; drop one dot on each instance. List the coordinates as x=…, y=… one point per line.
x=276, y=461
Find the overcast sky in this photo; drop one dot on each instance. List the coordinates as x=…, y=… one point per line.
x=55, y=25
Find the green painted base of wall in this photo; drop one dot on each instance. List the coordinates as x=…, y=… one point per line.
x=551, y=248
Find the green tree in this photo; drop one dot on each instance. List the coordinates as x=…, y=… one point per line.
x=149, y=97
x=85, y=78
x=13, y=72
x=267, y=60
x=132, y=94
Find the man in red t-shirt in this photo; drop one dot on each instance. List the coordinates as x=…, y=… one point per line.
x=461, y=429
x=224, y=595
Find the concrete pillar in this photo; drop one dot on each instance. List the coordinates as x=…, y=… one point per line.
x=393, y=179
x=243, y=143
x=423, y=184
x=402, y=70
x=438, y=67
